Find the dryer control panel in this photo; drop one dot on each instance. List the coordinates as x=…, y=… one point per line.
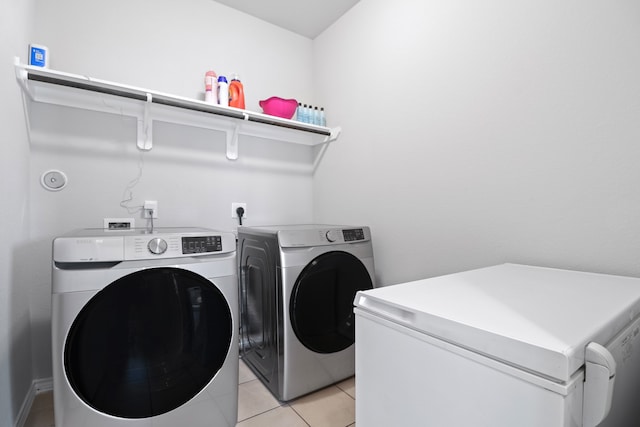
x=321, y=236
x=353, y=235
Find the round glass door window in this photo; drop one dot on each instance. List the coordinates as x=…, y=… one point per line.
x=148, y=343
x=321, y=306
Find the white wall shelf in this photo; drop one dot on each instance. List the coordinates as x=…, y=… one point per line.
x=59, y=88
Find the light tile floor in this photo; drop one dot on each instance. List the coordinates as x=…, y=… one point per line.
x=333, y=406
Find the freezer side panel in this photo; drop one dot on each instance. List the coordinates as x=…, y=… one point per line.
x=405, y=378
x=625, y=407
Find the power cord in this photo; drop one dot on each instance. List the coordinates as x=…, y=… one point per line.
x=150, y=212
x=240, y=212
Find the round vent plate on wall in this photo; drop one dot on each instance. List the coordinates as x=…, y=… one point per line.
x=53, y=180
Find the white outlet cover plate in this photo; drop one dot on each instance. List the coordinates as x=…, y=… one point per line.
x=150, y=204
x=236, y=205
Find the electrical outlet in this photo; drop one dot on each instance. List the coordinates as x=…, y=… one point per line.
x=150, y=205
x=235, y=206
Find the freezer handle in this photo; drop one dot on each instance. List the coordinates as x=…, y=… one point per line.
x=393, y=313
x=600, y=373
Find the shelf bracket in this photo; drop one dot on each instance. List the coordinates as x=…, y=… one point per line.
x=335, y=133
x=232, y=140
x=145, y=127
x=22, y=77
x=318, y=158
x=232, y=143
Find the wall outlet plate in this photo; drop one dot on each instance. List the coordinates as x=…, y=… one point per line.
x=236, y=205
x=148, y=206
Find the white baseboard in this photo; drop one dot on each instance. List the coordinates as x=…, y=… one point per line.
x=37, y=386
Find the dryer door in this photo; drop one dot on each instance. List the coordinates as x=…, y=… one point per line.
x=321, y=305
x=148, y=343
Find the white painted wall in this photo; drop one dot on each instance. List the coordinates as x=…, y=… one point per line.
x=15, y=280
x=166, y=46
x=477, y=133
x=473, y=134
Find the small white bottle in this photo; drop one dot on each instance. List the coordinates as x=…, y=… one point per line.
x=323, y=119
x=223, y=91
x=304, y=117
x=316, y=116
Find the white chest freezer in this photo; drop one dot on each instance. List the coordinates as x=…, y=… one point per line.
x=503, y=346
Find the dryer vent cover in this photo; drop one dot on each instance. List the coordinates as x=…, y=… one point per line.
x=53, y=180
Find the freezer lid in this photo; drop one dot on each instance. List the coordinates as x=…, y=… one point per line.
x=539, y=319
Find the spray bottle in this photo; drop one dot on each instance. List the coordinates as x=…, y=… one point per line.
x=211, y=87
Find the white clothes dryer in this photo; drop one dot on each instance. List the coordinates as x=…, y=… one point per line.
x=144, y=328
x=297, y=286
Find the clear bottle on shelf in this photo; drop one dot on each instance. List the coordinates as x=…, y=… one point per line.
x=298, y=111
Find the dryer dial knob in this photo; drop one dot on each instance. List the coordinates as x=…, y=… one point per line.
x=157, y=246
x=332, y=235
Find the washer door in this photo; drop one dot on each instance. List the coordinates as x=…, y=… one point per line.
x=148, y=343
x=321, y=306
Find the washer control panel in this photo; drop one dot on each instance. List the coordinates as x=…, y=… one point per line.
x=177, y=245
x=201, y=244
x=174, y=245
x=98, y=245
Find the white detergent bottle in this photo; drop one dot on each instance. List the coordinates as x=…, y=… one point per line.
x=223, y=91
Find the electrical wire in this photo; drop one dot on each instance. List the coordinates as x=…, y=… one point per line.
x=127, y=194
x=150, y=211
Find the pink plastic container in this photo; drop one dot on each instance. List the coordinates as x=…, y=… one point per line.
x=279, y=107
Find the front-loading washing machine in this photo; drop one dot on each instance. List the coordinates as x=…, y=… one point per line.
x=297, y=286
x=144, y=328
